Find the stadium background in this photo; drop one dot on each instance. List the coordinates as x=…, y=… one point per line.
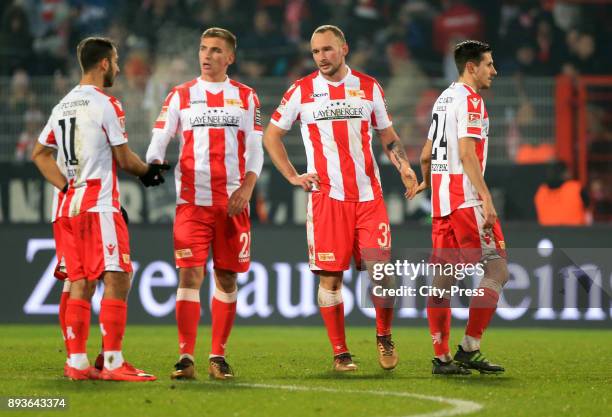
x=551, y=103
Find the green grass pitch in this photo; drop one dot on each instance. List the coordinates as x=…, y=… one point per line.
x=283, y=371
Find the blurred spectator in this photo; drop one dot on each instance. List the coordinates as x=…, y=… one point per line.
x=560, y=191
x=265, y=51
x=15, y=41
x=21, y=98
x=583, y=57
x=34, y=122
x=458, y=20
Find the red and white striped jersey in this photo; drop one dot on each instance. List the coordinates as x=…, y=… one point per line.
x=459, y=112
x=83, y=127
x=58, y=196
x=336, y=121
x=219, y=127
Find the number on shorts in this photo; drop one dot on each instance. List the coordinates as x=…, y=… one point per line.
x=245, y=240
x=383, y=241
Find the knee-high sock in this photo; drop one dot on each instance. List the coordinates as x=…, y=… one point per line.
x=62, y=312
x=384, y=314
x=113, y=318
x=482, y=309
x=439, y=318
x=223, y=312
x=187, y=319
x=332, y=312
x=78, y=316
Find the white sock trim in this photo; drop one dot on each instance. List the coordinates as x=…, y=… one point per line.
x=226, y=297
x=113, y=359
x=79, y=361
x=188, y=294
x=188, y=356
x=327, y=298
x=470, y=344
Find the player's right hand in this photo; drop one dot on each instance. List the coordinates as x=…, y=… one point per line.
x=153, y=176
x=306, y=181
x=490, y=215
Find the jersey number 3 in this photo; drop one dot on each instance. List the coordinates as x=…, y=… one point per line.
x=68, y=146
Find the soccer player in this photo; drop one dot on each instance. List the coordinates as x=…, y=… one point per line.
x=219, y=127
x=338, y=108
x=465, y=227
x=87, y=130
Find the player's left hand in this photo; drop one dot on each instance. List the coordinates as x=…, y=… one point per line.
x=239, y=199
x=410, y=182
x=420, y=188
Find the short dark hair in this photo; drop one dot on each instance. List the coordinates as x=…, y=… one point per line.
x=333, y=29
x=92, y=50
x=224, y=34
x=469, y=51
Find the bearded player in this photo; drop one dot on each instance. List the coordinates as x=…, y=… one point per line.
x=338, y=109
x=87, y=129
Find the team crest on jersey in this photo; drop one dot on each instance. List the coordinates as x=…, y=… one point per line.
x=233, y=102
x=355, y=93
x=475, y=102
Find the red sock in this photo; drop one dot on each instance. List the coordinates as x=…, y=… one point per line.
x=333, y=317
x=439, y=318
x=384, y=314
x=223, y=314
x=78, y=316
x=482, y=309
x=62, y=317
x=384, y=318
x=113, y=317
x=187, y=320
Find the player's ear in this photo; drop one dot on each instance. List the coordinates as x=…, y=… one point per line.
x=232, y=58
x=345, y=49
x=105, y=64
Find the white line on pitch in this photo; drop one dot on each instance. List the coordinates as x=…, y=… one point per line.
x=459, y=406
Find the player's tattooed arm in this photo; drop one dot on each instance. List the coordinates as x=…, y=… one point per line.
x=397, y=154
x=394, y=150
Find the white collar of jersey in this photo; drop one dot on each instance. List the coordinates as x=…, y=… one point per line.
x=209, y=85
x=459, y=83
x=87, y=86
x=336, y=83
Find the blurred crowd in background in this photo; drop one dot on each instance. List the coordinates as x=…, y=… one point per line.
x=407, y=43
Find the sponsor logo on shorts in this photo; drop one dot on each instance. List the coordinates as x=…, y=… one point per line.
x=326, y=256
x=126, y=258
x=487, y=238
x=244, y=259
x=183, y=253
x=110, y=248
